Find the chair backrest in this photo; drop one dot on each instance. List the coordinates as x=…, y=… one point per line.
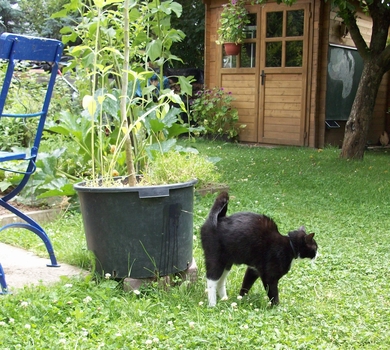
x=15, y=48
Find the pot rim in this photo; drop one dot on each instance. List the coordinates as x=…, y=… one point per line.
x=80, y=187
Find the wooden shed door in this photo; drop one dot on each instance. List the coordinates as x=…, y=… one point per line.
x=269, y=78
x=283, y=74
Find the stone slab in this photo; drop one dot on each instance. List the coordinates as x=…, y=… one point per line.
x=191, y=275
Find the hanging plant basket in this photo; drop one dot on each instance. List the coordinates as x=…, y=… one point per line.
x=232, y=49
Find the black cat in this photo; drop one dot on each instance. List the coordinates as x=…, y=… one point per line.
x=251, y=239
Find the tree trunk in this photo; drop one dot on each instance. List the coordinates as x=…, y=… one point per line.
x=356, y=129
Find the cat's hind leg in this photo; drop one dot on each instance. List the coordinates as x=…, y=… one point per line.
x=217, y=286
x=212, y=292
x=216, y=278
x=221, y=285
x=251, y=275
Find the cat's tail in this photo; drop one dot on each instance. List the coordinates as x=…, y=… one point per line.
x=219, y=208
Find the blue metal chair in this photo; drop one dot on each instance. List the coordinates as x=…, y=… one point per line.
x=13, y=49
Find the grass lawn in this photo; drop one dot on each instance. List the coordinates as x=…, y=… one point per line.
x=341, y=301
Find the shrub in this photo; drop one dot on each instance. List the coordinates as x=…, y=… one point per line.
x=212, y=110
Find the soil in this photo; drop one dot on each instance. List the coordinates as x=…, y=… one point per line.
x=52, y=203
x=21, y=207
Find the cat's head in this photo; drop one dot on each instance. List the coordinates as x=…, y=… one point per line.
x=303, y=244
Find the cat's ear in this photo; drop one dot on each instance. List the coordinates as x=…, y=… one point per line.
x=302, y=228
x=309, y=237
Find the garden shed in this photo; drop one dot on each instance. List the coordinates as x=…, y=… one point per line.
x=296, y=76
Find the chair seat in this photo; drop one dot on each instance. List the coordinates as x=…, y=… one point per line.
x=6, y=156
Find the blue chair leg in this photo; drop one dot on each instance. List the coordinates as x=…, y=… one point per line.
x=3, y=284
x=32, y=226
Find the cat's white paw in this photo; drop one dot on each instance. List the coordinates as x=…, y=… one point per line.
x=212, y=303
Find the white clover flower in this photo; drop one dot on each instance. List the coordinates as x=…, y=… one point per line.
x=239, y=297
x=233, y=305
x=62, y=341
x=136, y=291
x=149, y=342
x=11, y=320
x=107, y=276
x=27, y=326
x=24, y=304
x=138, y=324
x=156, y=340
x=87, y=299
x=68, y=285
x=2, y=323
x=201, y=303
x=192, y=324
x=170, y=323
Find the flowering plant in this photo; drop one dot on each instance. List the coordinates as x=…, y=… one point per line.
x=234, y=18
x=212, y=110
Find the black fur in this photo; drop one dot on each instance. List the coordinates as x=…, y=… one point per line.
x=254, y=240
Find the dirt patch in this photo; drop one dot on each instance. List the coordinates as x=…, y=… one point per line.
x=22, y=207
x=50, y=203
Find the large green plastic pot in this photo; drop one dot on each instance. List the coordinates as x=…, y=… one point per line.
x=139, y=232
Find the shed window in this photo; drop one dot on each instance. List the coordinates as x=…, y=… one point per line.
x=274, y=54
x=247, y=56
x=294, y=52
x=284, y=38
x=274, y=24
x=248, y=51
x=295, y=21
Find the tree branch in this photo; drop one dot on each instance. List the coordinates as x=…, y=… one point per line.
x=349, y=18
x=380, y=14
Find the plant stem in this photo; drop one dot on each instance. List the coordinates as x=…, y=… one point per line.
x=125, y=80
x=161, y=65
x=93, y=94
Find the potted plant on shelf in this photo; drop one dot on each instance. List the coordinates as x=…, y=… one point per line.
x=231, y=30
x=128, y=132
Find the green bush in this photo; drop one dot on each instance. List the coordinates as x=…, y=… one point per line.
x=212, y=110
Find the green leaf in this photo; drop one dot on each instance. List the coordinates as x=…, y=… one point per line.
x=154, y=49
x=185, y=85
x=4, y=185
x=65, y=190
x=177, y=129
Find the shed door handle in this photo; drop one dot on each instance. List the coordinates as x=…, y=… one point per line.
x=262, y=77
